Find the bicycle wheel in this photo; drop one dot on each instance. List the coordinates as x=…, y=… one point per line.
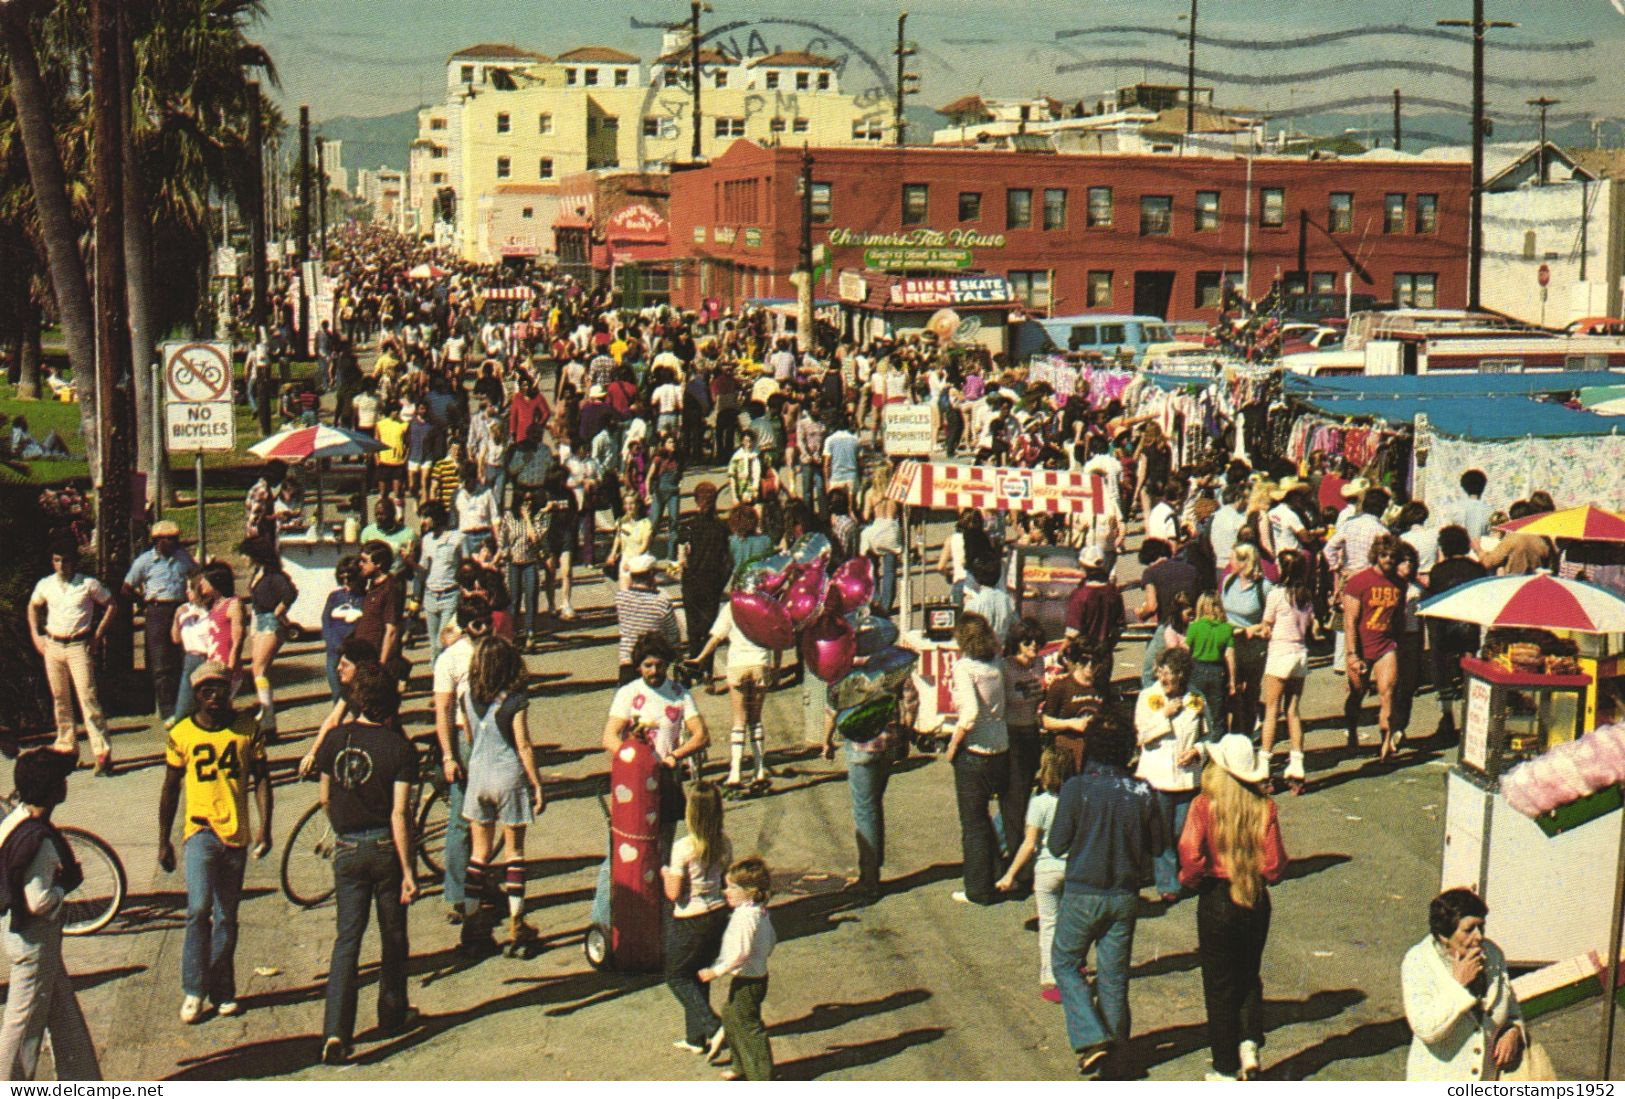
x=431, y=841
x=307, y=859
x=98, y=899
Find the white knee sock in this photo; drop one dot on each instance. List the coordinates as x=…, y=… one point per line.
x=736, y=753
x=758, y=747
x=1294, y=765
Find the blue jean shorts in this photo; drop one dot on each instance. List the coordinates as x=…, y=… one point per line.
x=265, y=622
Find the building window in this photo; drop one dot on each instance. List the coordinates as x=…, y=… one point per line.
x=1416, y=291
x=1295, y=283
x=468, y=74
x=1427, y=213
x=651, y=125
x=504, y=124
x=868, y=129
x=438, y=152
x=1100, y=208
x=437, y=124
x=970, y=206
x=1156, y=215
x=590, y=77
x=1272, y=207
x=1207, y=211
x=1529, y=244
x=1030, y=288
x=775, y=125
x=1055, y=208
x=730, y=127
x=1098, y=294
x=569, y=76
x=610, y=122
x=803, y=82
x=528, y=212
x=504, y=167
x=1393, y=214
x=1209, y=289
x=437, y=177
x=1323, y=282
x=772, y=78
x=823, y=82
x=1340, y=213
x=544, y=168
x=621, y=77
x=916, y=200
x=721, y=77
x=821, y=209
x=544, y=123
x=1018, y=208
x=799, y=126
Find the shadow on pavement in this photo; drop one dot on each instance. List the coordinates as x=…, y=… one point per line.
x=840, y=1057
x=1365, y=1040
x=165, y=911
x=1313, y=864
x=830, y=1016
x=1171, y=1043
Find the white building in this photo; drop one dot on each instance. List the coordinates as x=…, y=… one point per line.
x=1139, y=118
x=338, y=176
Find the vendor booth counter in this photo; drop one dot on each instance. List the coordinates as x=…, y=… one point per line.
x=309, y=557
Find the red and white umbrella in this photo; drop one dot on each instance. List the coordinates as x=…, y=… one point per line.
x=427, y=271
x=295, y=444
x=1537, y=601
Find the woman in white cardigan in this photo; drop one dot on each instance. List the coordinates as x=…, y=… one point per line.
x=1170, y=724
x=1458, y=999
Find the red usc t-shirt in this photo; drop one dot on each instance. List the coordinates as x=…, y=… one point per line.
x=1381, y=603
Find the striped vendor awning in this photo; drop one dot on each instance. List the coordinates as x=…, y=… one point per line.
x=1005, y=488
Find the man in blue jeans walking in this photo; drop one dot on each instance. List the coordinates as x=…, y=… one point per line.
x=1107, y=829
x=216, y=754
x=868, y=772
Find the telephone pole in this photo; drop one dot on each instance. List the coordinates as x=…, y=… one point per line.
x=804, y=265
x=1397, y=134
x=1544, y=103
x=303, y=230
x=256, y=237
x=695, y=7
x=1475, y=255
x=907, y=82
x=321, y=200
x=1190, y=75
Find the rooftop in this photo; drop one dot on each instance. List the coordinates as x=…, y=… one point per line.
x=966, y=104
x=596, y=53
x=795, y=59
x=495, y=51
x=708, y=56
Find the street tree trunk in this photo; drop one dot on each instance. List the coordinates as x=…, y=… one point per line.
x=69, y=283
x=138, y=281
x=29, y=348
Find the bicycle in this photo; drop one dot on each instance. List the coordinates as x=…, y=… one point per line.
x=100, y=897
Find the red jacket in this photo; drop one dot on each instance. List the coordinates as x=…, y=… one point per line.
x=1196, y=857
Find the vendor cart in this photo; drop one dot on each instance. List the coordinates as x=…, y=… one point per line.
x=309, y=560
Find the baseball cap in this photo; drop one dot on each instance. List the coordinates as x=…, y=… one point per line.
x=209, y=669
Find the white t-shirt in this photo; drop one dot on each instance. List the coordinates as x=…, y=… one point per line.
x=69, y=604
x=1285, y=526
x=1426, y=542
x=1163, y=523
x=705, y=881
x=742, y=651
x=451, y=674
x=666, y=709
x=668, y=399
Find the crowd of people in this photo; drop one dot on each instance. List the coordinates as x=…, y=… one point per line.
x=542, y=438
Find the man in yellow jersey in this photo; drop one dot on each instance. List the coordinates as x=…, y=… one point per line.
x=217, y=754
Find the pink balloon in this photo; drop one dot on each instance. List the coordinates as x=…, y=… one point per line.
x=804, y=599
x=829, y=646
x=761, y=619
x=853, y=584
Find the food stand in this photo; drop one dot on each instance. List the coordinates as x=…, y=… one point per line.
x=1526, y=695
x=1038, y=575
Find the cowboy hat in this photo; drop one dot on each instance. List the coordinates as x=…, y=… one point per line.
x=1234, y=753
x=1286, y=488
x=1355, y=488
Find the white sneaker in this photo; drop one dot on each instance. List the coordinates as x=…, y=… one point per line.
x=959, y=895
x=228, y=1009
x=191, y=1009
x=1249, y=1059
x=1218, y=1077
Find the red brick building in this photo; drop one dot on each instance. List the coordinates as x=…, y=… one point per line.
x=1075, y=233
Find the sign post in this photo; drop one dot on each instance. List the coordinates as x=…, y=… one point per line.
x=198, y=413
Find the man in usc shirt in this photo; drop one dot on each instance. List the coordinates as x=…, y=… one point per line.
x=1372, y=620
x=216, y=754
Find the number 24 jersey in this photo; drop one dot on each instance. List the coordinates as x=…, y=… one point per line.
x=218, y=768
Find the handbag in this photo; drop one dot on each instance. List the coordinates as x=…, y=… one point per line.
x=1535, y=1064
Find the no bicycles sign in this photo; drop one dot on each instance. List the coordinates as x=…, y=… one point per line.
x=197, y=372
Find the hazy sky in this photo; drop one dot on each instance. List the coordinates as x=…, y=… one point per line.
x=375, y=57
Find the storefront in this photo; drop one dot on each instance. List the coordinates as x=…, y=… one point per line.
x=637, y=251
x=971, y=310
x=1070, y=233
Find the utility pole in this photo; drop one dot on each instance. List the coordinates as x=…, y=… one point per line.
x=321, y=200
x=804, y=266
x=1544, y=103
x=695, y=7
x=1475, y=248
x=1190, y=76
x=304, y=230
x=907, y=82
x=256, y=237
x=113, y=370
x=1397, y=134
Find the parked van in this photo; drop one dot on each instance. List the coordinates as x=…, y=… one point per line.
x=1107, y=334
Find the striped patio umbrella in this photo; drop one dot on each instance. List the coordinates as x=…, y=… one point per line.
x=296, y=444
x=1582, y=524
x=1538, y=601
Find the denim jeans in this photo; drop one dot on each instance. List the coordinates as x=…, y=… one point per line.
x=670, y=508
x=867, y=774
x=366, y=873
x=886, y=585
x=1106, y=922
x=459, y=846
x=439, y=609
x=588, y=535
x=1209, y=678
x=214, y=886
x=810, y=479
x=692, y=944
x=1172, y=806
x=334, y=687
x=183, y=695
x=978, y=780
x=524, y=586
x=1154, y=648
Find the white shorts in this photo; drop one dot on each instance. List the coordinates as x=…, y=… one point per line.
x=1287, y=665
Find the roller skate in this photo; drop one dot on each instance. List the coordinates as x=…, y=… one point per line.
x=522, y=939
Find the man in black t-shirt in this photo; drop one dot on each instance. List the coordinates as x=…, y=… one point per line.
x=1450, y=641
x=1165, y=580
x=367, y=769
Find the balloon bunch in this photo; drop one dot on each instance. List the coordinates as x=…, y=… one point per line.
x=794, y=600
x=1567, y=772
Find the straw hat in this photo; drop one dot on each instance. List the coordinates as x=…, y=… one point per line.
x=1356, y=488
x=1286, y=488
x=1234, y=753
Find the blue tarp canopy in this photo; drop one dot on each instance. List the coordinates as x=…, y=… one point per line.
x=1450, y=385
x=1475, y=418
